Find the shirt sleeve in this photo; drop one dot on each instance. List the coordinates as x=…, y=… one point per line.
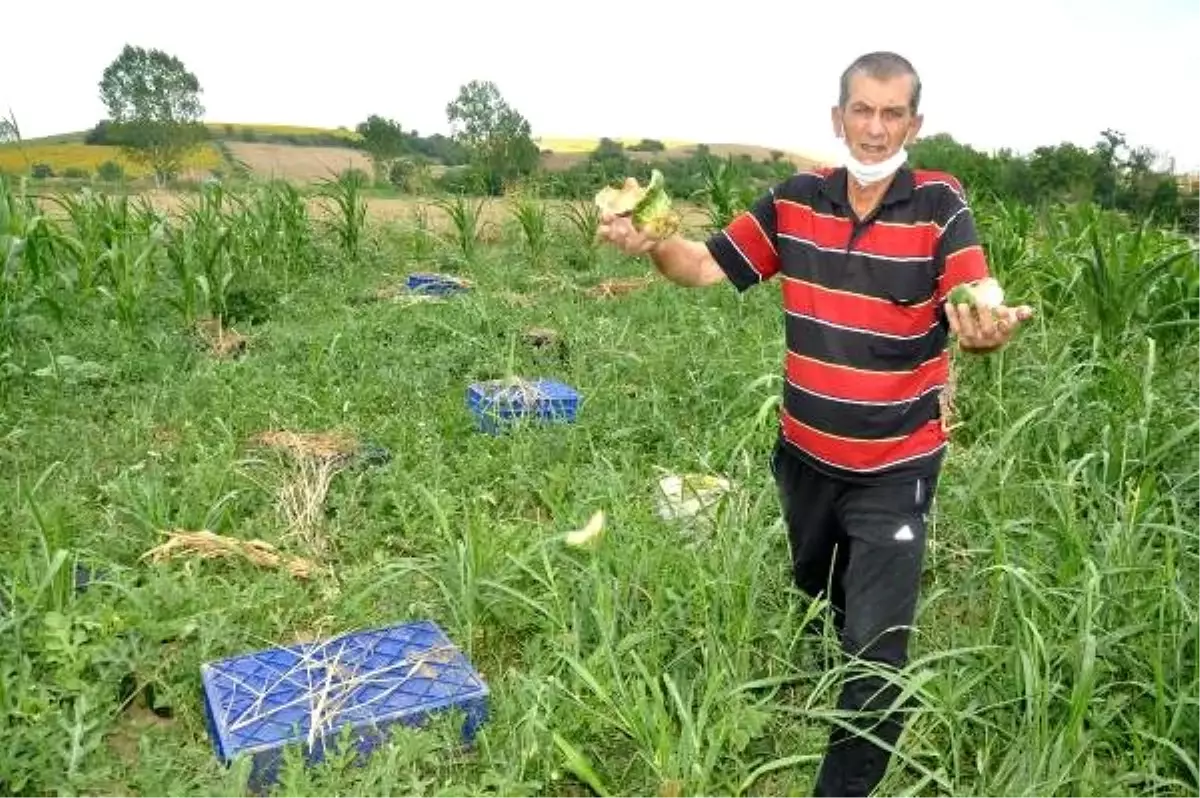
x=747, y=248
x=960, y=256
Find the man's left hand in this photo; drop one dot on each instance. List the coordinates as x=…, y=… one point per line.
x=983, y=329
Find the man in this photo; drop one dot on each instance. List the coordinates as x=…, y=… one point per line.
x=867, y=254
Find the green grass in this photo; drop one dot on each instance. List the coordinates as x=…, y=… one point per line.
x=1057, y=643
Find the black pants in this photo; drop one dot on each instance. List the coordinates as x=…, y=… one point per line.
x=862, y=547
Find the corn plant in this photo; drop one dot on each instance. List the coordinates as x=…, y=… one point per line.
x=725, y=193
x=421, y=241
x=583, y=220
x=1005, y=229
x=129, y=262
x=1126, y=279
x=202, y=257
x=273, y=233
x=530, y=215
x=466, y=223
x=26, y=255
x=348, y=211
x=94, y=218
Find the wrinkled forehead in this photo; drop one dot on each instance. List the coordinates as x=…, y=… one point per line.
x=867, y=91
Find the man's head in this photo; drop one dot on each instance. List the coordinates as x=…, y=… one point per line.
x=877, y=107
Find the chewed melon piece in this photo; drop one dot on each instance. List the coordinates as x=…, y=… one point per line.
x=589, y=534
x=648, y=207
x=985, y=293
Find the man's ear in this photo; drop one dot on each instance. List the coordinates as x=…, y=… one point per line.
x=914, y=129
x=835, y=117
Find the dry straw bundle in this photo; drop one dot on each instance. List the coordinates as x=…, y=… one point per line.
x=614, y=288
x=221, y=341
x=208, y=545
x=317, y=458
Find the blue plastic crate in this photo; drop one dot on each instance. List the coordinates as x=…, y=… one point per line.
x=258, y=703
x=431, y=283
x=498, y=405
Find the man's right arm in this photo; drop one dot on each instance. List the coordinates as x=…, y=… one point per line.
x=744, y=251
x=685, y=262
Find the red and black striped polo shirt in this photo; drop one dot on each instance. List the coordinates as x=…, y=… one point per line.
x=866, y=332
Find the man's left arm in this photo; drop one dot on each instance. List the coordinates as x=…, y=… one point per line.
x=961, y=259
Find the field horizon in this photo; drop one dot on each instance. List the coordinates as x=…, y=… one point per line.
x=233, y=144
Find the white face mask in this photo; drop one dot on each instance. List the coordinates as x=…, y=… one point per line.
x=868, y=173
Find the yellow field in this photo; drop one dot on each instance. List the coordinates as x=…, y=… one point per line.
x=89, y=157
x=282, y=130
x=569, y=145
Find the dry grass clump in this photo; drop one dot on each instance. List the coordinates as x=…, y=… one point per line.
x=222, y=342
x=946, y=399
x=207, y=545
x=614, y=288
x=317, y=457
x=309, y=445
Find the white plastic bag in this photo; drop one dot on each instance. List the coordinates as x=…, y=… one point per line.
x=688, y=496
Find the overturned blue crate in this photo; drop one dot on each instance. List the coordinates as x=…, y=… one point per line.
x=439, y=284
x=501, y=404
x=257, y=704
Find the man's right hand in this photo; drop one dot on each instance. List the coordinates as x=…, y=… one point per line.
x=680, y=260
x=620, y=232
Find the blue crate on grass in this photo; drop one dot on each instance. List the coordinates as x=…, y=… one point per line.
x=499, y=404
x=431, y=283
x=258, y=703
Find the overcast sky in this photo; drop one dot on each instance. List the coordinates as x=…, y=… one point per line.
x=1019, y=73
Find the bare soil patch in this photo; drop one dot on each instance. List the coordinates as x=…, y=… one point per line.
x=135, y=722
x=304, y=164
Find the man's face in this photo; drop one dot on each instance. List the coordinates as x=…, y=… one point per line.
x=877, y=120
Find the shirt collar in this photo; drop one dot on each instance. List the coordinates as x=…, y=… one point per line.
x=901, y=189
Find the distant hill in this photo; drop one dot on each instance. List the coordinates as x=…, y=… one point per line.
x=305, y=153
x=562, y=153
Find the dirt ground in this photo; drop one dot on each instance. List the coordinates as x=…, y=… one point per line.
x=304, y=164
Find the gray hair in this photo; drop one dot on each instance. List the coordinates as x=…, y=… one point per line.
x=881, y=66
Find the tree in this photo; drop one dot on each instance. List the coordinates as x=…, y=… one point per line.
x=384, y=140
x=1065, y=172
x=10, y=131
x=154, y=108
x=497, y=138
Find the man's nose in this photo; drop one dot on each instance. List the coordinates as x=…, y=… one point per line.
x=875, y=126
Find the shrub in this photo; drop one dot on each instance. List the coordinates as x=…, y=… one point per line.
x=110, y=171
